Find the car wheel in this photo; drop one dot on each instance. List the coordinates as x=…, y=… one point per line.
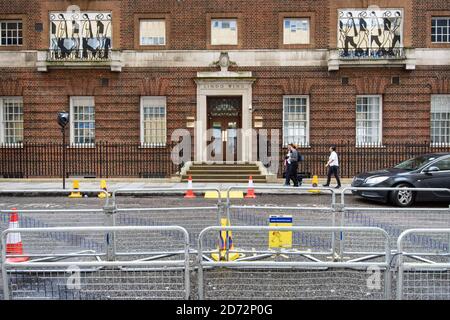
x=402, y=198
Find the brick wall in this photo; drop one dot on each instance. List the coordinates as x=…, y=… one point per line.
x=406, y=107
x=188, y=19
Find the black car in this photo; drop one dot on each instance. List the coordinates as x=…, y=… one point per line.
x=426, y=171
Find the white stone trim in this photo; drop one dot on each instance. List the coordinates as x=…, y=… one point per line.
x=219, y=84
x=243, y=58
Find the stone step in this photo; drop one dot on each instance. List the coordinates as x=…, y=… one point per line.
x=223, y=167
x=225, y=180
x=232, y=175
x=222, y=171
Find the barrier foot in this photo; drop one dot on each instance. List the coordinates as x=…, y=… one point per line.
x=222, y=256
x=75, y=195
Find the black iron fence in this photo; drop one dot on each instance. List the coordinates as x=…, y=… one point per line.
x=104, y=160
x=356, y=159
x=108, y=160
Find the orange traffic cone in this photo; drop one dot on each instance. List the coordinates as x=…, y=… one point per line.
x=14, y=241
x=251, y=189
x=189, y=192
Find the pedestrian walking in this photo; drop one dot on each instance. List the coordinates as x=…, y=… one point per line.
x=333, y=168
x=286, y=169
x=292, y=165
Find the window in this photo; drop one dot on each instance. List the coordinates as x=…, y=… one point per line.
x=368, y=121
x=296, y=120
x=11, y=115
x=152, y=32
x=440, y=119
x=224, y=32
x=443, y=165
x=82, y=118
x=296, y=31
x=11, y=33
x=440, y=30
x=153, y=121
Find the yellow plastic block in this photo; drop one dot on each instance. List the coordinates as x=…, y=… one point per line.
x=222, y=256
x=226, y=237
x=102, y=195
x=315, y=183
x=223, y=194
x=75, y=195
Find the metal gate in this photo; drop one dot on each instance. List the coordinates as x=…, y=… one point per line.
x=147, y=270
x=297, y=272
x=424, y=271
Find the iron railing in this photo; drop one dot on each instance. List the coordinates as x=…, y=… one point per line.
x=355, y=159
x=99, y=55
x=372, y=53
x=108, y=160
x=102, y=160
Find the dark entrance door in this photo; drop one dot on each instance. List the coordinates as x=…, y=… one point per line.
x=224, y=119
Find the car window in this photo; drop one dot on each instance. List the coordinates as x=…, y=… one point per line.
x=415, y=163
x=443, y=164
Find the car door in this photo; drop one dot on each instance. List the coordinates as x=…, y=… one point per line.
x=440, y=179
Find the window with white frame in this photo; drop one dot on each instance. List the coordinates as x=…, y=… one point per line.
x=153, y=121
x=152, y=32
x=440, y=30
x=11, y=33
x=11, y=115
x=440, y=119
x=368, y=121
x=296, y=120
x=224, y=32
x=82, y=120
x=296, y=31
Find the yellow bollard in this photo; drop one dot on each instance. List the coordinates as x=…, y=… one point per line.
x=76, y=186
x=315, y=184
x=225, y=237
x=102, y=195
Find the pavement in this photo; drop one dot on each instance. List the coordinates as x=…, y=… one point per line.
x=115, y=184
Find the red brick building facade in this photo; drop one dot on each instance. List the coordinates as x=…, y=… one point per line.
x=269, y=68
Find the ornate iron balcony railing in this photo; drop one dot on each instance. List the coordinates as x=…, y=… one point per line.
x=372, y=53
x=100, y=55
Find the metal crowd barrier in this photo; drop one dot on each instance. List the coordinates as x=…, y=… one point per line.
x=344, y=190
x=394, y=220
x=193, y=218
x=333, y=237
x=324, y=216
x=294, y=273
x=57, y=273
x=57, y=191
x=423, y=275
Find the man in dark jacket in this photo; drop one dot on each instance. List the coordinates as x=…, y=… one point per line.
x=292, y=163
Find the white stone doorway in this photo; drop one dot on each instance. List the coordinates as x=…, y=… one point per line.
x=237, y=84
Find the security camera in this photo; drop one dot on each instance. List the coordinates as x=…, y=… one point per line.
x=250, y=108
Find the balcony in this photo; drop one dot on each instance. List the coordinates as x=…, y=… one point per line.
x=397, y=57
x=372, y=54
x=100, y=55
x=79, y=59
x=80, y=40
